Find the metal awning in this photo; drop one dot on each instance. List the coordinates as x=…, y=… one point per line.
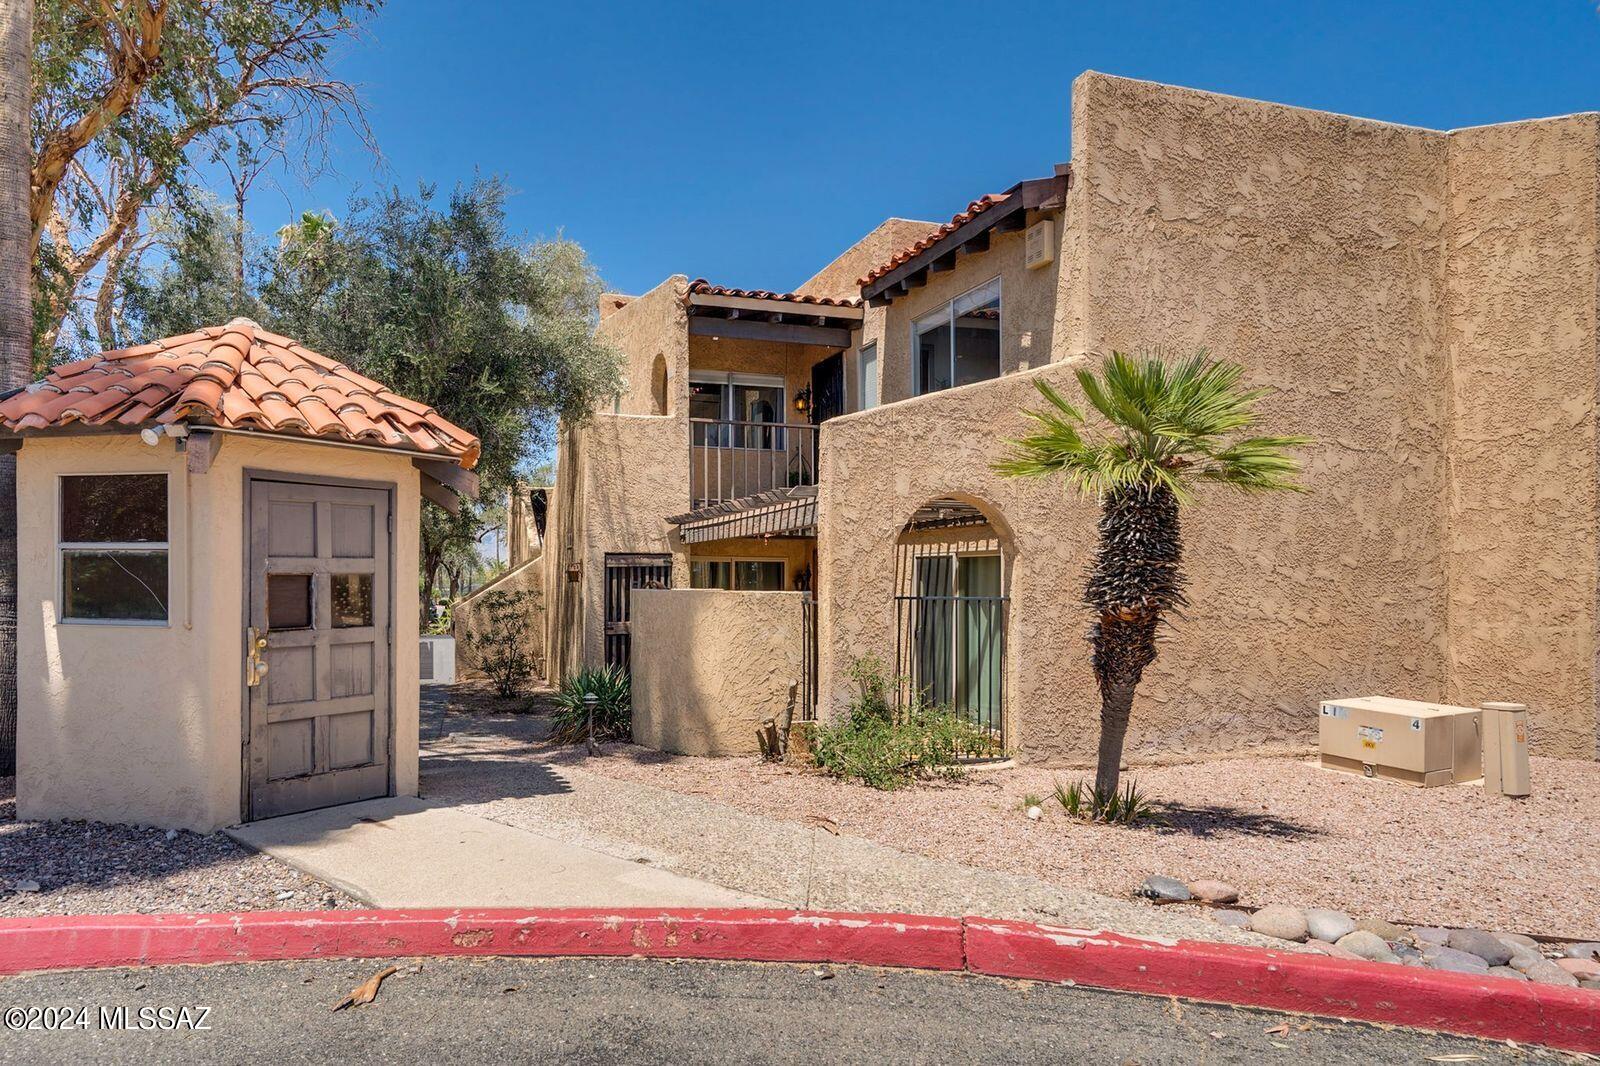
x=779, y=513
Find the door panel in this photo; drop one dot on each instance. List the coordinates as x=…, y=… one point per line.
x=318, y=586
x=624, y=573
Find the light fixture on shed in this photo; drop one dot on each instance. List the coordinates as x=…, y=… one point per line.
x=152, y=435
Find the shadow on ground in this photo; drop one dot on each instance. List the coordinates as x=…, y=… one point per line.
x=1209, y=821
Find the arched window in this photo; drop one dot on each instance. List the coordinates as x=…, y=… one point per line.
x=660, y=399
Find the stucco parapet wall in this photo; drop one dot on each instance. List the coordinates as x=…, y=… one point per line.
x=710, y=666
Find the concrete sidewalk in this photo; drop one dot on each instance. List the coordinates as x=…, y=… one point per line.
x=404, y=852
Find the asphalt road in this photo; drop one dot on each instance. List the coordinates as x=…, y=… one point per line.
x=612, y=1011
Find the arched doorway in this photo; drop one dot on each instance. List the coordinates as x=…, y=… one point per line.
x=952, y=581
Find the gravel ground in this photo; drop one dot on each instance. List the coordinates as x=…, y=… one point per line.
x=1282, y=830
x=92, y=868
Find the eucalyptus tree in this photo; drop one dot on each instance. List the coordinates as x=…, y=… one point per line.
x=1164, y=430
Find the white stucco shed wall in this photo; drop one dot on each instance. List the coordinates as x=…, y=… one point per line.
x=142, y=724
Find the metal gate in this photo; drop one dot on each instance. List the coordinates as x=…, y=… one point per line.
x=624, y=573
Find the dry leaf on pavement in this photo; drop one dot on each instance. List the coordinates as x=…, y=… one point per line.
x=822, y=821
x=366, y=991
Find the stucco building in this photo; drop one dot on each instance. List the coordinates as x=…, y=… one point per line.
x=1422, y=303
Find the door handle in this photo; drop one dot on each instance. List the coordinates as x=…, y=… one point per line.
x=255, y=664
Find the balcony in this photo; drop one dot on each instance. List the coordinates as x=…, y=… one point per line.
x=731, y=460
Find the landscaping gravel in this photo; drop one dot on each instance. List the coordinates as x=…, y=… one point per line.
x=91, y=868
x=1282, y=830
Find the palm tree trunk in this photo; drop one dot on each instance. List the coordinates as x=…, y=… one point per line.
x=16, y=323
x=1136, y=578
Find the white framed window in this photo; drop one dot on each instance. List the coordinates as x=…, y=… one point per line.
x=959, y=343
x=112, y=548
x=740, y=405
x=867, y=376
x=738, y=575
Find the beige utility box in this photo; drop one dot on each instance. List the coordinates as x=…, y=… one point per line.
x=1418, y=743
x=1505, y=749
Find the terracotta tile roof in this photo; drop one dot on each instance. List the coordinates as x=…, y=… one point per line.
x=974, y=209
x=237, y=376
x=702, y=287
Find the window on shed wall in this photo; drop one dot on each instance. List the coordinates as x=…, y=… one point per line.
x=113, y=547
x=959, y=343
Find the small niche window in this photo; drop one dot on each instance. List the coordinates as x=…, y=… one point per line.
x=114, y=548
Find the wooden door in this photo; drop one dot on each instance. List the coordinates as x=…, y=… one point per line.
x=827, y=388
x=319, y=618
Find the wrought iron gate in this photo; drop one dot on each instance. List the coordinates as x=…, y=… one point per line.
x=624, y=573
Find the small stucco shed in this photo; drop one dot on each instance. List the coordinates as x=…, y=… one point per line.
x=217, y=547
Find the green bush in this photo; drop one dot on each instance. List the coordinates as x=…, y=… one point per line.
x=501, y=638
x=613, y=708
x=1125, y=806
x=886, y=747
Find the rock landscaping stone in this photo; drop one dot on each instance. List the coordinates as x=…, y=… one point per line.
x=26, y=886
x=1322, y=924
x=1580, y=968
x=1508, y=972
x=1332, y=950
x=1488, y=947
x=1276, y=920
x=1232, y=919
x=1582, y=951
x=1214, y=891
x=1522, y=958
x=1517, y=940
x=1447, y=958
x=1387, y=930
x=1367, y=945
x=1428, y=934
x=1405, y=952
x=1545, y=972
x=1168, y=888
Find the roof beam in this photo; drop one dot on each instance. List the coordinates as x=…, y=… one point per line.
x=780, y=332
x=461, y=482
x=747, y=303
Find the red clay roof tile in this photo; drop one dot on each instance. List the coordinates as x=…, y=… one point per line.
x=702, y=287
x=975, y=208
x=234, y=376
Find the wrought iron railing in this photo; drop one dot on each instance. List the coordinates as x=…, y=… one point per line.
x=729, y=460
x=950, y=651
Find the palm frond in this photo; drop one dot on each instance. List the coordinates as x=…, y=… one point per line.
x=1167, y=424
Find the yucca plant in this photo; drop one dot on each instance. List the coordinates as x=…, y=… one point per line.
x=613, y=707
x=1168, y=428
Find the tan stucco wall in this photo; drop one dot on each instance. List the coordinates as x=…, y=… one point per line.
x=839, y=279
x=647, y=328
x=710, y=666
x=1522, y=503
x=142, y=724
x=469, y=617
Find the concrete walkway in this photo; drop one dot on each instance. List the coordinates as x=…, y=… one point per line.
x=404, y=852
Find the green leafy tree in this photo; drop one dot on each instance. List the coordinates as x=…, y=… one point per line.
x=1169, y=427
x=443, y=304
x=129, y=95
x=193, y=283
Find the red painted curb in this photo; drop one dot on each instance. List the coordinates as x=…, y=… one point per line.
x=1490, y=1007
x=86, y=941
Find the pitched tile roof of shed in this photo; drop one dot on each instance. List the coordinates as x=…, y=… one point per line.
x=237, y=376
x=702, y=287
x=974, y=209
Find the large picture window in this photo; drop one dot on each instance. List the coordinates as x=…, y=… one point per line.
x=739, y=575
x=959, y=343
x=742, y=405
x=113, y=547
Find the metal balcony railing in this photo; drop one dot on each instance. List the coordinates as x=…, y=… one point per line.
x=729, y=460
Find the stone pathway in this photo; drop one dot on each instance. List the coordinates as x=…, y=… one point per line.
x=496, y=767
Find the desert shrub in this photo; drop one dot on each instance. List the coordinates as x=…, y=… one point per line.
x=887, y=747
x=499, y=636
x=1126, y=805
x=613, y=708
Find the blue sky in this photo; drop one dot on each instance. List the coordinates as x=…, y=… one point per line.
x=751, y=142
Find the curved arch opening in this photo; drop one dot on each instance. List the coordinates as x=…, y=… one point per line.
x=660, y=398
x=953, y=562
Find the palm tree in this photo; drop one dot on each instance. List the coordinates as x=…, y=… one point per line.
x=16, y=323
x=1169, y=427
